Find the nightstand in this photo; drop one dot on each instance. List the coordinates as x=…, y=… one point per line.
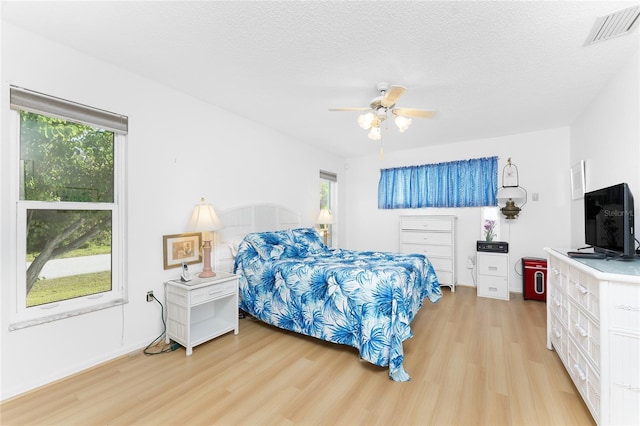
x=492, y=275
x=201, y=309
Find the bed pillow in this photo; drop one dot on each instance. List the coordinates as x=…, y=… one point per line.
x=270, y=245
x=308, y=241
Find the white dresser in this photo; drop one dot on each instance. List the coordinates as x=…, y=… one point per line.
x=593, y=323
x=434, y=236
x=492, y=275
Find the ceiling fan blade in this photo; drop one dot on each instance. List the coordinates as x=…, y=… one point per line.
x=412, y=112
x=392, y=95
x=351, y=109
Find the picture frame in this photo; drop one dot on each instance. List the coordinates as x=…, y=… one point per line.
x=179, y=248
x=577, y=180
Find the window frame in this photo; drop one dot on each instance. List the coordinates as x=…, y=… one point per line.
x=332, y=200
x=22, y=316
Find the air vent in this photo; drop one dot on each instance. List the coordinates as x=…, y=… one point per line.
x=614, y=25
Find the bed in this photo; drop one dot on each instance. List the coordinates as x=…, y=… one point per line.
x=367, y=300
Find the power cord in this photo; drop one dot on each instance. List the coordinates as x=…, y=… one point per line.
x=165, y=347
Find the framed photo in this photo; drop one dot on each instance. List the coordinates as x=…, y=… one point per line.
x=180, y=248
x=577, y=180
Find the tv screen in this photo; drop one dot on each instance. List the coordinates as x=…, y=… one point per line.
x=608, y=220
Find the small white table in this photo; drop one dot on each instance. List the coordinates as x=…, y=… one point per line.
x=201, y=309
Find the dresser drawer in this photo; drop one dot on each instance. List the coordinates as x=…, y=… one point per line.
x=428, y=250
x=494, y=265
x=415, y=237
x=558, y=305
x=625, y=307
x=585, y=332
x=585, y=291
x=444, y=277
x=440, y=264
x=558, y=274
x=426, y=225
x=212, y=292
x=559, y=337
x=586, y=379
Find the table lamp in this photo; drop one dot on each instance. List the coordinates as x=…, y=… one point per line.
x=325, y=218
x=204, y=219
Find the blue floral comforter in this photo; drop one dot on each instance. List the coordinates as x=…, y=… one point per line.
x=367, y=300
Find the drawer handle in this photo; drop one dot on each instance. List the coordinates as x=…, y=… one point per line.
x=557, y=333
x=212, y=292
x=583, y=376
x=582, y=289
x=628, y=386
x=555, y=271
x=628, y=308
x=556, y=301
x=581, y=330
x=493, y=268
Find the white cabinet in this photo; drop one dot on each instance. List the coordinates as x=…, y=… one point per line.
x=593, y=323
x=201, y=309
x=492, y=275
x=434, y=236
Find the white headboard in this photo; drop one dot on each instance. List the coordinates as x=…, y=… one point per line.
x=240, y=221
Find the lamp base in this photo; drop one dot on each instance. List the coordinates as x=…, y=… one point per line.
x=207, y=272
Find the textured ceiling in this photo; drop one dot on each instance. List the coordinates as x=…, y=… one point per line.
x=489, y=68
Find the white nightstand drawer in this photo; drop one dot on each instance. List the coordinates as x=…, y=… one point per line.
x=212, y=292
x=495, y=287
x=413, y=237
x=495, y=265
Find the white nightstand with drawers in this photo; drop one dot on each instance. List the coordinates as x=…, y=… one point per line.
x=201, y=309
x=492, y=275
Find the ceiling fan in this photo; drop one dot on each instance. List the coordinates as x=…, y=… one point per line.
x=381, y=105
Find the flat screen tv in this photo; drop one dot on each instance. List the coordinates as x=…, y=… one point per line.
x=609, y=222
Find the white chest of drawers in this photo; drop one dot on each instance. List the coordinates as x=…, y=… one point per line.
x=202, y=309
x=593, y=323
x=434, y=236
x=492, y=275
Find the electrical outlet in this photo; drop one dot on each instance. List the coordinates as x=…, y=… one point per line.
x=150, y=296
x=471, y=260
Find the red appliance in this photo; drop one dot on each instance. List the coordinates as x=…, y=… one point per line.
x=534, y=278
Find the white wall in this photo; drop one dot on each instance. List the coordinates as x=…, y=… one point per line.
x=179, y=149
x=607, y=137
x=541, y=158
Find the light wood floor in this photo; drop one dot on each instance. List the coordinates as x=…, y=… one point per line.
x=472, y=361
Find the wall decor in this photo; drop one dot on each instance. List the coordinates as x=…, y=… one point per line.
x=577, y=180
x=178, y=248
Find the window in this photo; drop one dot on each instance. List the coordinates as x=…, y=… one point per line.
x=68, y=181
x=328, y=193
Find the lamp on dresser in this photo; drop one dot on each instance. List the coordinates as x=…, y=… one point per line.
x=204, y=219
x=325, y=218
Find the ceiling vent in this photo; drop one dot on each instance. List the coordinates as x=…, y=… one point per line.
x=614, y=25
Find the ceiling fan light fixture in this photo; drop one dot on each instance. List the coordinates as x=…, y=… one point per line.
x=403, y=123
x=365, y=120
x=375, y=133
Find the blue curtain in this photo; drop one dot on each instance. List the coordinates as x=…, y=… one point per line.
x=466, y=183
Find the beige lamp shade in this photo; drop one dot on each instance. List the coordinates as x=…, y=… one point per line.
x=325, y=217
x=204, y=218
